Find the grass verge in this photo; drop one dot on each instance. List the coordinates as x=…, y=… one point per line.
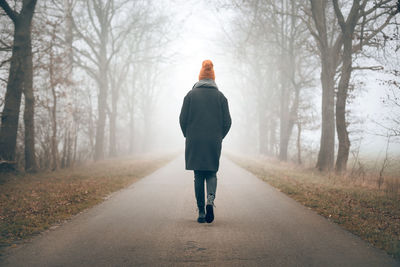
x=369, y=213
x=32, y=203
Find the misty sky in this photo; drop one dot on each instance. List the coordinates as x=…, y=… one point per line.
x=202, y=29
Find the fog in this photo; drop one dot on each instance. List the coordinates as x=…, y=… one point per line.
x=106, y=90
x=205, y=35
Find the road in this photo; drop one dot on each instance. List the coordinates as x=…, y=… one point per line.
x=153, y=223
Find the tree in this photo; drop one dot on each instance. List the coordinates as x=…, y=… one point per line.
x=359, y=13
x=100, y=17
x=274, y=46
x=103, y=39
x=116, y=82
x=331, y=33
x=329, y=45
x=294, y=64
x=53, y=75
x=19, y=81
x=111, y=41
x=347, y=30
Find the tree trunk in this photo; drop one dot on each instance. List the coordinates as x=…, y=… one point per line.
x=30, y=158
x=102, y=80
x=64, y=152
x=113, y=120
x=347, y=28
x=69, y=36
x=102, y=106
x=288, y=111
x=341, y=127
x=329, y=59
x=69, y=150
x=284, y=97
x=101, y=121
x=272, y=137
x=327, y=146
x=298, y=143
x=262, y=132
x=113, y=143
x=16, y=79
x=284, y=123
x=75, y=144
x=91, y=127
x=54, y=144
x=12, y=101
x=131, y=129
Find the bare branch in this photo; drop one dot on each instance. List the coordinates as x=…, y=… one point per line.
x=339, y=14
x=4, y=62
x=373, y=34
x=87, y=40
x=13, y=15
x=367, y=68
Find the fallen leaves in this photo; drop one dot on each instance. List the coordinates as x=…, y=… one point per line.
x=32, y=203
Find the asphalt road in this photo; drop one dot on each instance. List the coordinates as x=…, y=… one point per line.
x=153, y=223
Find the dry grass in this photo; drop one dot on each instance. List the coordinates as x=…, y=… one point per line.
x=30, y=204
x=356, y=205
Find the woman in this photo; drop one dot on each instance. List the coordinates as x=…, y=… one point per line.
x=205, y=121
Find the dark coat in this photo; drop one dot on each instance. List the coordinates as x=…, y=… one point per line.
x=205, y=121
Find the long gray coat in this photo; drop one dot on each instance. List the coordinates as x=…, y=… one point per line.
x=205, y=121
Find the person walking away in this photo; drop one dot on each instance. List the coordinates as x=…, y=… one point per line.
x=205, y=121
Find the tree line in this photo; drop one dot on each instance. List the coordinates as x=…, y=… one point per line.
x=283, y=46
x=79, y=79
x=66, y=63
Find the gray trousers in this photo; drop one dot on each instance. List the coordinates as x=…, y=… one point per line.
x=210, y=177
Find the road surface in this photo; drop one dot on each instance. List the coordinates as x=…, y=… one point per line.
x=153, y=223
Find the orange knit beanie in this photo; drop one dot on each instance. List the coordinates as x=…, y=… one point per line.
x=207, y=70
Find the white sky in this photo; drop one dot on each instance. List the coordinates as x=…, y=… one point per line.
x=201, y=30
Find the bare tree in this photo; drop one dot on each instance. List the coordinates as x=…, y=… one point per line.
x=116, y=82
x=53, y=73
x=19, y=80
x=329, y=45
x=336, y=47
x=358, y=13
x=111, y=41
x=275, y=50
x=295, y=68
x=100, y=16
x=347, y=27
x=110, y=26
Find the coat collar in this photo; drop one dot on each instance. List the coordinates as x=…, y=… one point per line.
x=209, y=83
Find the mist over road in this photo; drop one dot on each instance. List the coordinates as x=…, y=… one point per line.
x=153, y=223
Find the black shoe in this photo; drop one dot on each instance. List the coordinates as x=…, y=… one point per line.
x=210, y=213
x=202, y=215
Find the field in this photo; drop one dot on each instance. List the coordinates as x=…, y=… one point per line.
x=356, y=202
x=32, y=203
